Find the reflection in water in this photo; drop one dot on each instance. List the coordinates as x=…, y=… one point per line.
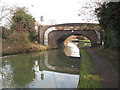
x=48, y=69
x=0, y=73
x=61, y=67
x=38, y=71
x=72, y=50
x=46, y=62
x=7, y=76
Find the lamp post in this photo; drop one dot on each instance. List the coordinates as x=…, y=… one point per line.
x=41, y=19
x=40, y=28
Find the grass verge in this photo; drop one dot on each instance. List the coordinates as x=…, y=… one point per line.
x=88, y=77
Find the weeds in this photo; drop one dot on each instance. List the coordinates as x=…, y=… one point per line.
x=88, y=77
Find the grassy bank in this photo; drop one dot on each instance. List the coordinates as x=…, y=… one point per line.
x=15, y=48
x=88, y=77
x=19, y=42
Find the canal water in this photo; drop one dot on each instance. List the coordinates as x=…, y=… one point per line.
x=45, y=69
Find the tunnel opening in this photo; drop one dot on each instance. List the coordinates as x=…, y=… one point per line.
x=81, y=40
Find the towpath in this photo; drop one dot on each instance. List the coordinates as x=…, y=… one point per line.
x=106, y=70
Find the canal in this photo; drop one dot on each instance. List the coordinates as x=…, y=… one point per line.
x=45, y=69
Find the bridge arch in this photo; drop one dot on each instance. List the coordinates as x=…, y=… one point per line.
x=46, y=35
x=53, y=35
x=56, y=37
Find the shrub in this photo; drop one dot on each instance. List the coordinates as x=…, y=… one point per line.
x=32, y=35
x=18, y=38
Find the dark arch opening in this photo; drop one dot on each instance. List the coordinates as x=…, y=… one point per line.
x=60, y=41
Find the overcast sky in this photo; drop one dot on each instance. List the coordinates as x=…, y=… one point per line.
x=60, y=11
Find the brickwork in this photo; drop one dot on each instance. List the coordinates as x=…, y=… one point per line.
x=57, y=37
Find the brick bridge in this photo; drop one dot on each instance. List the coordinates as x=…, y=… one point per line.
x=54, y=35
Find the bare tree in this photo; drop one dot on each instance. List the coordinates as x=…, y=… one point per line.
x=5, y=12
x=87, y=11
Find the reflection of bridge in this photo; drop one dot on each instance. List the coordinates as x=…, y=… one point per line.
x=54, y=36
x=60, y=69
x=52, y=61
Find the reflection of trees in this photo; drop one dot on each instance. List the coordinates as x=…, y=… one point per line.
x=7, y=80
x=18, y=70
x=22, y=70
x=22, y=73
x=0, y=73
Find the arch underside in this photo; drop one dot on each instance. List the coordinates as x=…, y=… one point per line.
x=57, y=37
x=60, y=41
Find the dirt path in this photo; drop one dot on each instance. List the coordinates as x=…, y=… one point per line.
x=105, y=69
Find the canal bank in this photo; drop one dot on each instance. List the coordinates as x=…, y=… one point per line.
x=12, y=49
x=107, y=72
x=112, y=54
x=89, y=78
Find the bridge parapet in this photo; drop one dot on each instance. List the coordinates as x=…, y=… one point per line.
x=49, y=34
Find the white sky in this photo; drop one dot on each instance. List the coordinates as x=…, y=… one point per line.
x=62, y=11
